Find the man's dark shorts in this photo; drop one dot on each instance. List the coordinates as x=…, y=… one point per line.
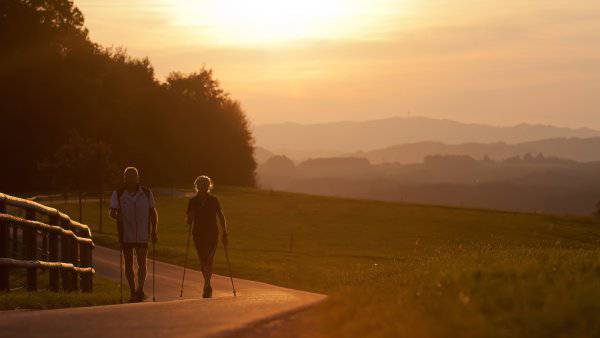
x=129, y=246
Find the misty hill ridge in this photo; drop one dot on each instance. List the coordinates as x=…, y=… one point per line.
x=348, y=136
x=577, y=149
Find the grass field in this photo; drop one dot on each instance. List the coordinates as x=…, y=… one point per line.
x=105, y=292
x=400, y=270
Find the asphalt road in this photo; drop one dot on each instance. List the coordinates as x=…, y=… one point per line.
x=169, y=316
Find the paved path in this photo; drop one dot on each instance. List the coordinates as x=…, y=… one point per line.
x=169, y=316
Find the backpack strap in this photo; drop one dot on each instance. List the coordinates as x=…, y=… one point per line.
x=119, y=193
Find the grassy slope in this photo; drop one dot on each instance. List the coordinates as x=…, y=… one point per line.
x=105, y=292
x=407, y=270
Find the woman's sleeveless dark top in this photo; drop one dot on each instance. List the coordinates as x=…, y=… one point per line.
x=205, y=216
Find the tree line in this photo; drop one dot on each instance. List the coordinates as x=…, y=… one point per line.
x=57, y=86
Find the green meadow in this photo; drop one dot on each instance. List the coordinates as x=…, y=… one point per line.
x=403, y=270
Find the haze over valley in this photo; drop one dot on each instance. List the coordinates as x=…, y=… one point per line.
x=410, y=139
x=533, y=168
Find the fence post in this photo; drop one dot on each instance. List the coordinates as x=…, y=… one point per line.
x=86, y=262
x=53, y=242
x=45, y=250
x=4, y=270
x=91, y=265
x=65, y=257
x=4, y=249
x=13, y=228
x=74, y=260
x=30, y=250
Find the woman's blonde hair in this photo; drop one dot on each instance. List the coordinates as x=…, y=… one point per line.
x=203, y=180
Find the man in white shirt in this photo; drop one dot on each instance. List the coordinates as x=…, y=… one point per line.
x=134, y=209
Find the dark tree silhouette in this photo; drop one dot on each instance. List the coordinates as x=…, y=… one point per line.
x=81, y=165
x=53, y=79
x=214, y=137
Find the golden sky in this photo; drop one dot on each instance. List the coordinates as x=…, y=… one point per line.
x=490, y=61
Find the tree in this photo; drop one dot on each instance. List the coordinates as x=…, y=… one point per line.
x=54, y=79
x=210, y=131
x=37, y=37
x=81, y=165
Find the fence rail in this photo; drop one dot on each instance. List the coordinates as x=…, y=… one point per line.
x=65, y=245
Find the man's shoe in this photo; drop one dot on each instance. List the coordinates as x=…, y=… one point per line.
x=141, y=296
x=133, y=297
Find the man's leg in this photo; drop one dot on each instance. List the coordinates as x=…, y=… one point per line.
x=128, y=258
x=140, y=253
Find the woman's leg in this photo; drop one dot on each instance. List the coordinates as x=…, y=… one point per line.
x=206, y=252
x=201, y=251
x=207, y=269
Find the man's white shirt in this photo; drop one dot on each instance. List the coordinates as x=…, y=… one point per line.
x=135, y=214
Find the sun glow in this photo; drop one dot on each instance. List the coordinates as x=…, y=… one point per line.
x=273, y=21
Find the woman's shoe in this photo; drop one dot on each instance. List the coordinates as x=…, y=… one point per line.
x=207, y=292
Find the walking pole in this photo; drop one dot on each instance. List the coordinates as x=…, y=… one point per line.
x=153, y=270
x=187, y=250
x=229, y=266
x=121, y=272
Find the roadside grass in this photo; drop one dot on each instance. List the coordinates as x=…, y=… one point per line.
x=403, y=270
x=479, y=293
x=104, y=292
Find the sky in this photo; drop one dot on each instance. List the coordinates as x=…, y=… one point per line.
x=499, y=62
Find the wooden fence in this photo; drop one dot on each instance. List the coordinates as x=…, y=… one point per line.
x=45, y=239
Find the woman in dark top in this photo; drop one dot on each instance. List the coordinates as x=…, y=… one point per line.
x=203, y=211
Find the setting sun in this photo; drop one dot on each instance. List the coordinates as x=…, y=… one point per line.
x=271, y=21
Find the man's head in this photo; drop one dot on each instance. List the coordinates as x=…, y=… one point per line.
x=131, y=176
x=203, y=184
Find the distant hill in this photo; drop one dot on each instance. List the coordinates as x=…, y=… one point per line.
x=261, y=155
x=578, y=149
x=306, y=139
x=528, y=183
